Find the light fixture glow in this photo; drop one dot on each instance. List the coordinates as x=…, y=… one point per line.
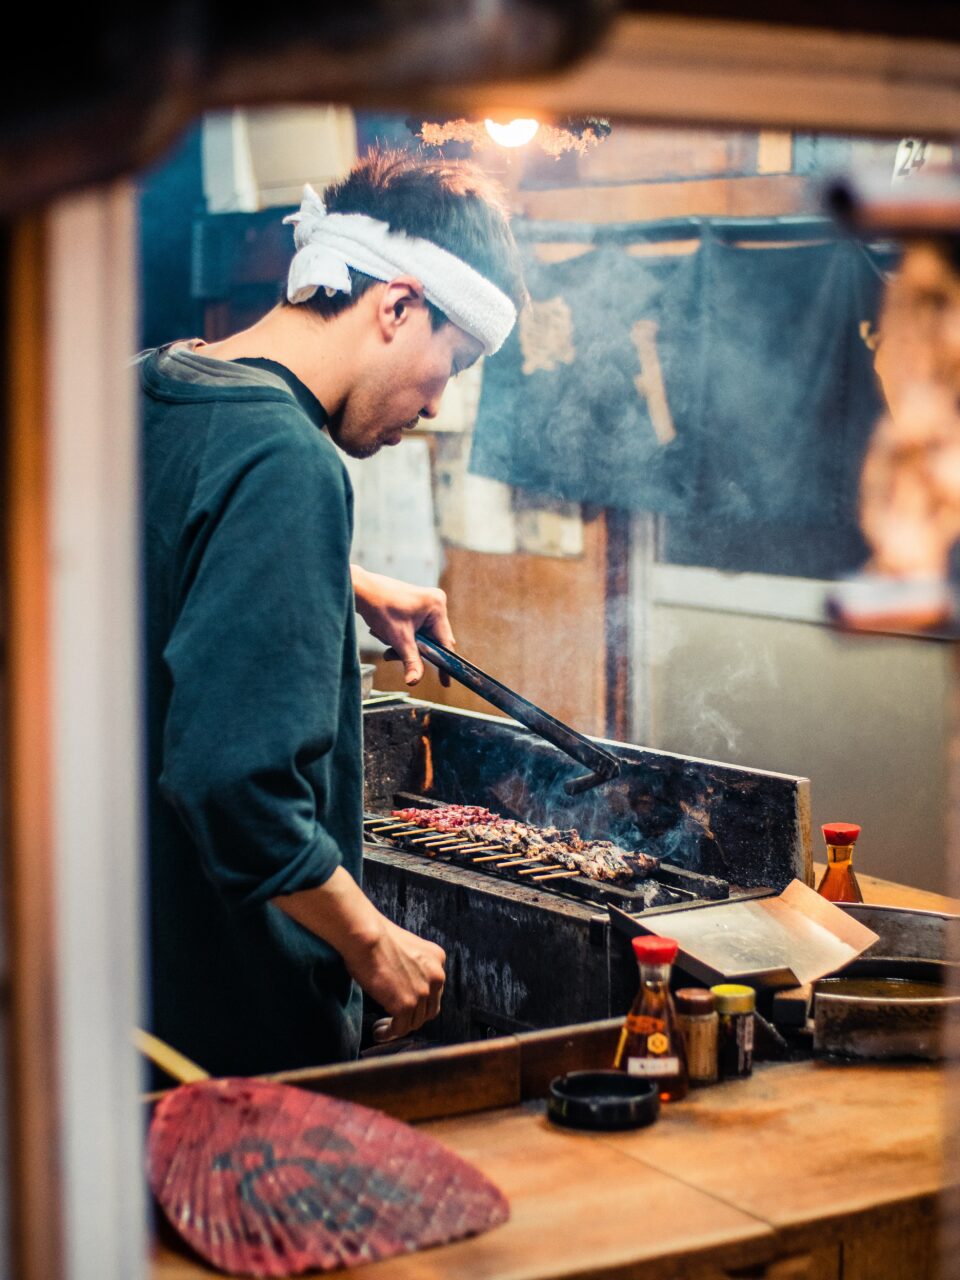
x=515, y=134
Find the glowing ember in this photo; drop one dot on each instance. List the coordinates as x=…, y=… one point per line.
x=554, y=140
x=515, y=134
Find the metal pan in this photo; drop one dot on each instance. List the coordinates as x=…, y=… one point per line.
x=859, y=1014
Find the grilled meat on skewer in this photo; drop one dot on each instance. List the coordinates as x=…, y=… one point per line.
x=450, y=817
x=597, y=859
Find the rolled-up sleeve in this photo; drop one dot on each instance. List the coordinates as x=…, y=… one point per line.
x=255, y=656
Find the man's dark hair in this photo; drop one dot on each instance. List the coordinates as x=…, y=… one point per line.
x=451, y=202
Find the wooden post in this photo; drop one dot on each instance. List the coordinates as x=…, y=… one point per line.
x=950, y=1198
x=28, y=891
x=70, y=755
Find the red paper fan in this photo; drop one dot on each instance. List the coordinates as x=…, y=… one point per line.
x=266, y=1180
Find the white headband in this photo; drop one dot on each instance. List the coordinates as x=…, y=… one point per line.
x=329, y=243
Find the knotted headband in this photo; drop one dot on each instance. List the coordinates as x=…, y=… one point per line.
x=329, y=243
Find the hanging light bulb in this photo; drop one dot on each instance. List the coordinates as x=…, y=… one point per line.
x=515, y=134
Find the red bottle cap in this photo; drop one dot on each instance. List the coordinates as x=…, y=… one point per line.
x=653, y=950
x=840, y=832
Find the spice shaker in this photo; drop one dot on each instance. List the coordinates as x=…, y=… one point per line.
x=698, y=1022
x=735, y=1009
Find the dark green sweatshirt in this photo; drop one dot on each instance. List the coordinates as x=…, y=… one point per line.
x=254, y=750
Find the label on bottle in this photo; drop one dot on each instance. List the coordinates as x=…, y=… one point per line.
x=658, y=1067
x=644, y=1025
x=735, y=1045
x=657, y=1044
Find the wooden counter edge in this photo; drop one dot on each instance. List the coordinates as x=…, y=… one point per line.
x=887, y=893
x=434, y=1084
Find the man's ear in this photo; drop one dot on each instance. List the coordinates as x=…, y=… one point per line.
x=401, y=298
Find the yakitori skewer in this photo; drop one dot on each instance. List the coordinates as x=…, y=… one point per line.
x=555, y=875
x=432, y=838
x=490, y=857
x=532, y=871
x=522, y=862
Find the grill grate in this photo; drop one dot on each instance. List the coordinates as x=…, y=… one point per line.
x=667, y=886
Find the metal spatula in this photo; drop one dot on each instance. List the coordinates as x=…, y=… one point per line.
x=602, y=764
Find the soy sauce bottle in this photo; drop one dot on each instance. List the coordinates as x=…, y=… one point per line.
x=651, y=1044
x=839, y=882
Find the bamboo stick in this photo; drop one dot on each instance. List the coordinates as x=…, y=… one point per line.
x=490, y=857
x=555, y=875
x=523, y=862
x=532, y=871
x=427, y=839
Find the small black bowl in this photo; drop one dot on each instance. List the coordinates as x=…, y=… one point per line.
x=602, y=1100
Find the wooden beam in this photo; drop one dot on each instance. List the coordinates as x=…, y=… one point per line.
x=29, y=897
x=689, y=70
x=753, y=197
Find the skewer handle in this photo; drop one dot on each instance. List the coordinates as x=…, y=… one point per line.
x=175, y=1064
x=490, y=857
x=532, y=871
x=555, y=875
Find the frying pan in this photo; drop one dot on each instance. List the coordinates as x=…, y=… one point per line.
x=602, y=765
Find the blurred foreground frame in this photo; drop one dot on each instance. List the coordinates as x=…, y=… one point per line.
x=137, y=77
x=909, y=501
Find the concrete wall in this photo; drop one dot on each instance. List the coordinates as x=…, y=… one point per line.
x=865, y=718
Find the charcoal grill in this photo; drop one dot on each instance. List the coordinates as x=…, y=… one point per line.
x=523, y=956
x=666, y=886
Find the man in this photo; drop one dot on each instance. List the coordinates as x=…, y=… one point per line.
x=261, y=934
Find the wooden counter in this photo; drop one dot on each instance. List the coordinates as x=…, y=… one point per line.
x=806, y=1171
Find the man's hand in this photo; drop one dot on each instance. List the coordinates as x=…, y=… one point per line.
x=403, y=973
x=394, y=610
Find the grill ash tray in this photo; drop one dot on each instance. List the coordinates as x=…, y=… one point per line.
x=667, y=886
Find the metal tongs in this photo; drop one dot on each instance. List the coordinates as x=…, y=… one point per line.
x=602, y=764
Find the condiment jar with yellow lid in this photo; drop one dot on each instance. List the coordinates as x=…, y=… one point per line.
x=735, y=1006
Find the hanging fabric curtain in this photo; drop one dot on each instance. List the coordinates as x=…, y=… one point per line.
x=733, y=382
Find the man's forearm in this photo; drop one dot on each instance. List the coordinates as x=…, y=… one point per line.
x=337, y=911
x=400, y=971
x=360, y=578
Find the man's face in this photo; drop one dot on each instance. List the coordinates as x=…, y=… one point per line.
x=401, y=382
